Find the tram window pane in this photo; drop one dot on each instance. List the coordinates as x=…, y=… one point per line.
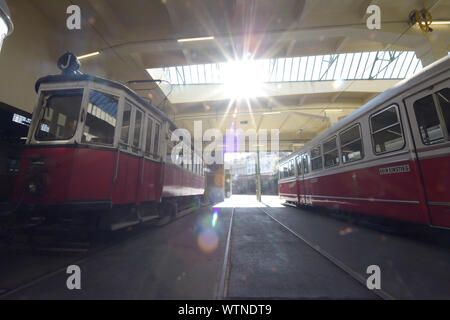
x=331, y=159
x=189, y=166
x=388, y=140
x=384, y=119
x=330, y=153
x=299, y=165
x=156, y=142
x=291, y=168
x=352, y=151
x=316, y=164
x=351, y=144
x=101, y=118
x=137, y=130
x=124, y=132
x=316, y=159
x=178, y=157
x=148, y=136
x=196, y=165
x=315, y=152
x=305, y=164
x=329, y=145
x=444, y=101
x=59, y=115
x=169, y=151
x=428, y=120
x=350, y=135
x=387, y=135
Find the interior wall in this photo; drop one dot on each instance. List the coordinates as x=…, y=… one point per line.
x=26, y=55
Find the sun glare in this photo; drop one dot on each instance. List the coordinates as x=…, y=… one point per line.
x=243, y=78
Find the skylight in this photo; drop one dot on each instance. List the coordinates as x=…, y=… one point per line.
x=334, y=67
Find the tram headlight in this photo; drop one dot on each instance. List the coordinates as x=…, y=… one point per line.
x=32, y=187
x=6, y=25
x=36, y=185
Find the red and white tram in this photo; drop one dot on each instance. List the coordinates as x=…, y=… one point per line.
x=97, y=152
x=389, y=158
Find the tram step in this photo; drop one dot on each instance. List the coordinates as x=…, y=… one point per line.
x=125, y=224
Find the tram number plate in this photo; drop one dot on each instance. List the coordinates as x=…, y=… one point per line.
x=396, y=169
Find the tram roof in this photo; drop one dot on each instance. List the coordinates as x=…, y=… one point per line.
x=86, y=77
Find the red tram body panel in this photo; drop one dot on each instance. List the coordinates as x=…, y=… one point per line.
x=390, y=158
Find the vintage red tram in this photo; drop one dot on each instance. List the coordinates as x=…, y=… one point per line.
x=98, y=153
x=390, y=158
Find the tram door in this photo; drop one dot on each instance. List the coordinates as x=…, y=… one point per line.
x=130, y=156
x=429, y=113
x=306, y=186
x=300, y=181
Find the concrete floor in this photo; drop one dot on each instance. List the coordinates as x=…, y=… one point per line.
x=184, y=260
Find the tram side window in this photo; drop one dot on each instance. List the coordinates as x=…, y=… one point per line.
x=285, y=171
x=196, y=164
x=386, y=130
x=170, y=145
x=125, y=130
x=190, y=163
x=298, y=160
x=351, y=144
x=179, y=158
x=444, y=102
x=137, y=131
x=185, y=163
x=427, y=115
x=330, y=153
x=156, y=142
x=305, y=164
x=281, y=168
x=291, y=168
x=101, y=118
x=148, y=136
x=316, y=158
x=428, y=120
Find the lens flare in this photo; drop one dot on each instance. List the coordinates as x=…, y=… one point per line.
x=214, y=218
x=243, y=78
x=207, y=241
x=338, y=83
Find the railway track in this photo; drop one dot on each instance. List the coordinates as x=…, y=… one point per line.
x=223, y=284
x=88, y=248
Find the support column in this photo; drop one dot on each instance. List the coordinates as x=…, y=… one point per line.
x=258, y=176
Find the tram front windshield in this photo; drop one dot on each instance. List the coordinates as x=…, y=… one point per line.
x=59, y=112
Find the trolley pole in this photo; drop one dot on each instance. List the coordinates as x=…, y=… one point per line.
x=258, y=176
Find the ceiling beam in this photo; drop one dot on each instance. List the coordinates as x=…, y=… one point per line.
x=215, y=92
